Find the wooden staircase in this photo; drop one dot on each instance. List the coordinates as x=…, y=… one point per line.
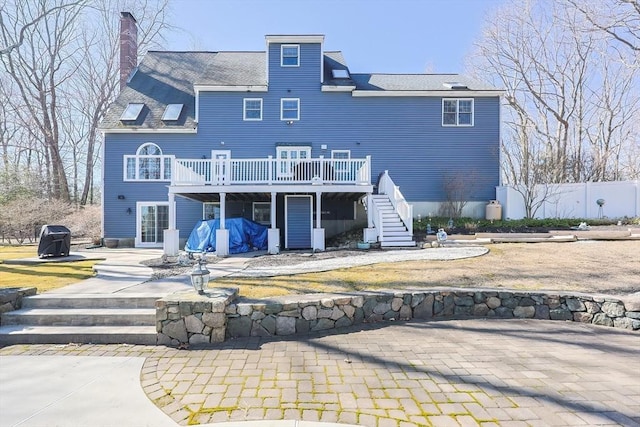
x=394, y=231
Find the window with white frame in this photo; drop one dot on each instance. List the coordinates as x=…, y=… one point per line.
x=290, y=55
x=289, y=158
x=148, y=164
x=290, y=109
x=210, y=210
x=252, y=109
x=457, y=112
x=262, y=212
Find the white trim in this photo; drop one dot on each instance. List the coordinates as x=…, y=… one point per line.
x=138, y=239
x=341, y=151
x=282, y=109
x=197, y=115
x=244, y=110
x=285, y=46
x=435, y=93
x=309, y=38
x=333, y=88
x=137, y=157
x=457, y=112
x=150, y=130
x=253, y=212
x=286, y=217
x=268, y=188
x=228, y=88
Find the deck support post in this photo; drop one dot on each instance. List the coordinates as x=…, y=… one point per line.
x=171, y=244
x=318, y=232
x=273, y=234
x=222, y=235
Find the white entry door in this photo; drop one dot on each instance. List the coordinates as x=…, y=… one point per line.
x=220, y=167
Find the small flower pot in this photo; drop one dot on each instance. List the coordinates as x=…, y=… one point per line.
x=111, y=243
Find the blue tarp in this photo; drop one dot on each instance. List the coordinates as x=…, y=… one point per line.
x=244, y=236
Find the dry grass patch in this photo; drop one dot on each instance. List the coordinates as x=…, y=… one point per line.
x=45, y=276
x=594, y=266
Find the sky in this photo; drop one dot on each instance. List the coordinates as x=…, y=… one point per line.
x=375, y=36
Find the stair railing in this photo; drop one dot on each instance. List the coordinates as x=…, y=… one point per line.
x=404, y=209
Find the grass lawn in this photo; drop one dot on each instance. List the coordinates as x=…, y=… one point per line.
x=46, y=276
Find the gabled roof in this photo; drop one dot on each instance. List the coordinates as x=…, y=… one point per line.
x=165, y=78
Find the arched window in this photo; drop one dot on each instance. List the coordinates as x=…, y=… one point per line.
x=149, y=164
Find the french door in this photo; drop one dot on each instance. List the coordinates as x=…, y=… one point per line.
x=289, y=158
x=152, y=219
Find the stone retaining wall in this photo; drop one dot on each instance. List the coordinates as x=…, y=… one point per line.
x=189, y=318
x=189, y=322
x=11, y=299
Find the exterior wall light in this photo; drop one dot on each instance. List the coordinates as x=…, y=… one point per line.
x=200, y=275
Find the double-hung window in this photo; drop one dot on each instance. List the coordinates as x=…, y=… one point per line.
x=290, y=109
x=149, y=164
x=252, y=109
x=262, y=212
x=457, y=112
x=290, y=55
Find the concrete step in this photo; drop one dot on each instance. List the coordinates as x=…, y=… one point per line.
x=53, y=300
x=399, y=244
x=17, y=334
x=81, y=317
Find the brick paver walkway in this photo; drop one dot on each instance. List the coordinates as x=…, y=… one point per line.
x=448, y=373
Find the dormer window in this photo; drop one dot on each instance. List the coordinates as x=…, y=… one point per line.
x=132, y=112
x=290, y=55
x=172, y=112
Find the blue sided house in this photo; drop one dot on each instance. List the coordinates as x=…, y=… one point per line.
x=290, y=138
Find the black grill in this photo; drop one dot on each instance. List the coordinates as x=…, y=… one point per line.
x=55, y=240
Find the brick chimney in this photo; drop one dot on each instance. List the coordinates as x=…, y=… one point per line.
x=128, y=47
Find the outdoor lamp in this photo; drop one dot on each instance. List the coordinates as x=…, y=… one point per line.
x=200, y=275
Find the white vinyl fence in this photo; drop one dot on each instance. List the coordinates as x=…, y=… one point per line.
x=621, y=199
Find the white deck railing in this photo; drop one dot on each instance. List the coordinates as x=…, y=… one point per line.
x=404, y=209
x=271, y=171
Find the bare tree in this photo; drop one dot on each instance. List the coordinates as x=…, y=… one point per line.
x=39, y=68
x=571, y=102
x=618, y=19
x=14, y=44
x=61, y=74
x=96, y=84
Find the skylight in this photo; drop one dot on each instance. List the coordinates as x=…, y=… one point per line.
x=340, y=74
x=455, y=85
x=172, y=112
x=132, y=112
